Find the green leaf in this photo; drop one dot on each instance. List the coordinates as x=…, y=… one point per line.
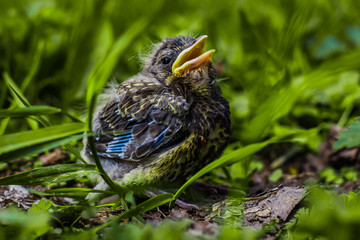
x=350, y=173
x=42, y=206
x=350, y=137
x=23, y=112
x=89, y=212
x=49, y=174
x=276, y=175
x=11, y=142
x=21, y=225
x=331, y=176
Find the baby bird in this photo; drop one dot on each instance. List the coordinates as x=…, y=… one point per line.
x=167, y=122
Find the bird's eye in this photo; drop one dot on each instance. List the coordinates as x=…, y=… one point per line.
x=165, y=60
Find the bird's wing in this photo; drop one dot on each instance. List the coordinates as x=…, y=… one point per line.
x=148, y=121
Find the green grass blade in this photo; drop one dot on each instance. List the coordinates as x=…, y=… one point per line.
x=141, y=208
x=33, y=110
x=75, y=195
x=11, y=142
x=49, y=174
x=241, y=153
x=280, y=104
x=104, y=69
x=34, y=69
x=19, y=100
x=236, y=155
x=35, y=65
x=22, y=101
x=3, y=125
x=147, y=205
x=15, y=91
x=69, y=190
x=101, y=75
x=73, y=118
x=96, y=82
x=76, y=152
x=41, y=147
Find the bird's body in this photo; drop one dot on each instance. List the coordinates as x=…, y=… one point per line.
x=171, y=117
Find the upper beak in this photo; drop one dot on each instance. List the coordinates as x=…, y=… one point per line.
x=192, y=57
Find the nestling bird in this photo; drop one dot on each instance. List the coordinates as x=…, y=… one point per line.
x=172, y=118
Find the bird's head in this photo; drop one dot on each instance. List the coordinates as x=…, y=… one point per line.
x=181, y=60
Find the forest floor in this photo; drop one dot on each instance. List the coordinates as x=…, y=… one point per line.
x=265, y=201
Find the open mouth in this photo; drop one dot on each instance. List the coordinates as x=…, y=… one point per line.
x=192, y=57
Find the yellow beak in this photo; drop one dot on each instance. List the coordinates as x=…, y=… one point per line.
x=192, y=57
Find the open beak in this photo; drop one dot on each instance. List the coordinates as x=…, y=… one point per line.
x=192, y=57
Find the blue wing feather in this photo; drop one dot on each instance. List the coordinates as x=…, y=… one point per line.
x=142, y=134
x=119, y=142
x=117, y=145
x=160, y=138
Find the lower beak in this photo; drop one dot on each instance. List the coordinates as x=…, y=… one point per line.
x=192, y=57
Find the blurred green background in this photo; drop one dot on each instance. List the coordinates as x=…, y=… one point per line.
x=283, y=65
